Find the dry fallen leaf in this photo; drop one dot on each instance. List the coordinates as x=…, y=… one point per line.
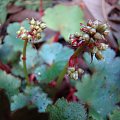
x=20, y=16
x=97, y=9
x=12, y=9
x=114, y=21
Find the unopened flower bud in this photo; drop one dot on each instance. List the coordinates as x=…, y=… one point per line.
x=90, y=23
x=99, y=56
x=38, y=22
x=68, y=72
x=86, y=37
x=95, y=24
x=34, y=32
x=37, y=27
x=39, y=30
x=102, y=27
x=88, y=27
x=32, y=22
x=94, y=50
x=92, y=40
x=103, y=46
x=106, y=32
x=43, y=25
x=77, y=34
x=18, y=32
x=24, y=36
x=92, y=31
x=76, y=75
x=29, y=37
x=38, y=36
x=32, y=26
x=97, y=36
x=71, y=75
x=80, y=71
x=22, y=28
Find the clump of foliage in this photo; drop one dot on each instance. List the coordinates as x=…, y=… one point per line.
x=10, y=83
x=62, y=110
x=36, y=71
x=30, y=96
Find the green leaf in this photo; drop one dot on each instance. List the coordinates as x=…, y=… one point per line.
x=57, y=56
x=118, y=40
x=33, y=95
x=3, y=10
x=48, y=52
x=47, y=74
x=115, y=115
x=17, y=70
x=109, y=68
x=14, y=27
x=34, y=4
x=19, y=101
x=7, y=55
x=94, y=92
x=62, y=110
x=3, y=14
x=32, y=58
x=65, y=19
x=32, y=61
x=101, y=90
x=12, y=40
x=9, y=83
x=95, y=115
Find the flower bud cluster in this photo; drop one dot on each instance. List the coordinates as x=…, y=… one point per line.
x=97, y=50
x=92, y=34
x=73, y=73
x=34, y=34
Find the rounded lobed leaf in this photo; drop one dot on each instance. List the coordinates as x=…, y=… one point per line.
x=65, y=19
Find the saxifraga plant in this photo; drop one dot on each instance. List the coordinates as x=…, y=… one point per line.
x=91, y=40
x=33, y=36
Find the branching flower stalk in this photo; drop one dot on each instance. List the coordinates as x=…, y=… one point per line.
x=91, y=40
x=32, y=36
x=64, y=71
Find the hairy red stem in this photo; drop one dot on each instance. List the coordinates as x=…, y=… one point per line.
x=56, y=38
x=41, y=11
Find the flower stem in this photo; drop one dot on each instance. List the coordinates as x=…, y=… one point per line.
x=62, y=74
x=24, y=62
